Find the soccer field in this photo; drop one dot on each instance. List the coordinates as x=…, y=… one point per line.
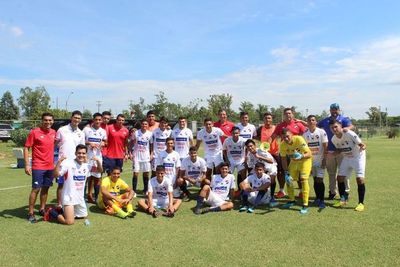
x=274, y=237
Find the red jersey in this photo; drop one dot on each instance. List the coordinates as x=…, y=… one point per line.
x=297, y=128
x=225, y=127
x=116, y=141
x=265, y=136
x=42, y=144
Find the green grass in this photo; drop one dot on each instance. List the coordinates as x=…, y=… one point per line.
x=280, y=237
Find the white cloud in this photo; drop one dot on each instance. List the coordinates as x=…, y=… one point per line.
x=16, y=31
x=284, y=55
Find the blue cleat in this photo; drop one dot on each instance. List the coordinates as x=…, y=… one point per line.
x=304, y=210
x=250, y=210
x=322, y=205
x=243, y=208
x=288, y=205
x=273, y=203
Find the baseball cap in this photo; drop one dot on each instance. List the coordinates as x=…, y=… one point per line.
x=334, y=106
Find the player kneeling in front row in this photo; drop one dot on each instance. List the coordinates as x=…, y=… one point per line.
x=72, y=195
x=110, y=198
x=159, y=196
x=353, y=150
x=254, y=189
x=216, y=194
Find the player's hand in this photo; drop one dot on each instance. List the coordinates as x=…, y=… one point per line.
x=151, y=210
x=61, y=159
x=28, y=170
x=288, y=178
x=171, y=209
x=96, y=159
x=362, y=146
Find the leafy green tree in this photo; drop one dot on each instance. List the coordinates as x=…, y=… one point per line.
x=34, y=101
x=8, y=110
x=376, y=116
x=221, y=101
x=260, y=110
x=86, y=114
x=247, y=106
x=138, y=109
x=60, y=113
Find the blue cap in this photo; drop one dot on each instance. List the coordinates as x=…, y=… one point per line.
x=334, y=106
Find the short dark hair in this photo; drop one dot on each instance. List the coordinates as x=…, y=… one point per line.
x=268, y=114
x=207, y=119
x=286, y=130
x=169, y=139
x=235, y=128
x=160, y=168
x=143, y=120
x=76, y=112
x=79, y=147
x=333, y=121
x=182, y=118
x=192, y=148
x=47, y=114
x=223, y=164
x=116, y=168
x=97, y=114
x=311, y=116
x=150, y=112
x=287, y=109
x=164, y=119
x=106, y=112
x=120, y=115
x=249, y=141
x=243, y=113
x=259, y=165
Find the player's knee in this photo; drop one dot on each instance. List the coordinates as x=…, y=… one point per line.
x=229, y=205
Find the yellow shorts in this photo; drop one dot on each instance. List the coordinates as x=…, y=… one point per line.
x=300, y=169
x=102, y=205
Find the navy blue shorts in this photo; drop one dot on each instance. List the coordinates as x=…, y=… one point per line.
x=110, y=163
x=42, y=178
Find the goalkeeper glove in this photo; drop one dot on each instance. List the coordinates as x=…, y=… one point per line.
x=297, y=155
x=288, y=178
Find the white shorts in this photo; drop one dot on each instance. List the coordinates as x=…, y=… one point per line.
x=349, y=164
x=80, y=210
x=316, y=170
x=160, y=203
x=214, y=160
x=141, y=166
x=215, y=200
x=236, y=166
x=265, y=199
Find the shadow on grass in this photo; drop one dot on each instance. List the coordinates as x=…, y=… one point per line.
x=20, y=212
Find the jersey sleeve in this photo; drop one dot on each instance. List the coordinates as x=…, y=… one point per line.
x=150, y=187
x=302, y=145
x=183, y=165
x=30, y=139
x=178, y=162
x=203, y=165
x=170, y=187
x=219, y=131
x=200, y=135
x=354, y=137
x=105, y=182
x=123, y=185
x=233, y=183
x=324, y=136
x=58, y=135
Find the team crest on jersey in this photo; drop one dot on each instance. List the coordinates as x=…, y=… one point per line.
x=42, y=136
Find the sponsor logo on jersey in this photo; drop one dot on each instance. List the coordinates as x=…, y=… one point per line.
x=93, y=139
x=167, y=164
x=79, y=177
x=211, y=142
x=181, y=139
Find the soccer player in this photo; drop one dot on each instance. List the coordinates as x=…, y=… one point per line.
x=142, y=155
x=247, y=130
x=67, y=138
x=106, y=117
x=212, y=145
x=111, y=200
x=76, y=171
x=170, y=159
x=117, y=144
x=317, y=141
x=224, y=124
x=295, y=147
x=353, y=149
x=183, y=138
x=95, y=138
x=151, y=119
x=333, y=159
x=160, y=196
x=234, y=153
x=41, y=141
x=254, y=189
x=216, y=194
x=193, y=172
x=159, y=136
x=259, y=155
x=264, y=134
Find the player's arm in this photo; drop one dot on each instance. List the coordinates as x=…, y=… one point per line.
x=56, y=171
x=225, y=154
x=264, y=187
x=264, y=158
x=198, y=143
x=99, y=164
x=362, y=146
x=126, y=149
x=244, y=185
x=28, y=169
x=324, y=154
x=151, y=151
x=171, y=202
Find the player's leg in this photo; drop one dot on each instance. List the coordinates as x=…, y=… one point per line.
x=142, y=204
x=244, y=195
x=345, y=170
x=360, y=174
x=90, y=185
x=228, y=205
x=60, y=185
x=331, y=168
x=135, y=176
x=145, y=182
x=44, y=191
x=293, y=172
x=96, y=187
x=37, y=182
x=281, y=178
x=182, y=184
x=305, y=170
x=68, y=215
x=204, y=193
x=176, y=204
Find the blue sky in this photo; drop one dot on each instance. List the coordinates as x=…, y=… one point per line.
x=303, y=53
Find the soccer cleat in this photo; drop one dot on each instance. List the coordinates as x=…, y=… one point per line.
x=131, y=213
x=339, y=203
x=322, y=205
x=316, y=202
x=280, y=194
x=250, y=210
x=109, y=210
x=360, y=207
x=168, y=214
x=304, y=210
x=197, y=211
x=31, y=218
x=185, y=197
x=331, y=196
x=273, y=203
x=243, y=208
x=156, y=214
x=205, y=210
x=41, y=212
x=288, y=205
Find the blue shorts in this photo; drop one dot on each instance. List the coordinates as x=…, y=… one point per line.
x=60, y=179
x=42, y=178
x=110, y=163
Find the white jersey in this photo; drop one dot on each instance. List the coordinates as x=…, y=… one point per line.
x=170, y=161
x=348, y=144
x=212, y=141
x=160, y=190
x=141, y=149
x=222, y=186
x=247, y=132
x=256, y=182
x=67, y=139
x=182, y=138
x=194, y=169
x=75, y=175
x=252, y=160
x=158, y=139
x=96, y=136
x=315, y=141
x=235, y=150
